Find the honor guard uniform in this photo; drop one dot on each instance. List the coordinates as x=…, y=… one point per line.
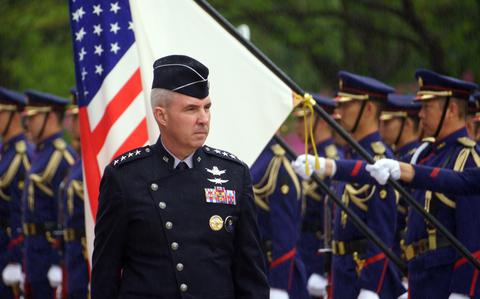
x=167, y=228
x=75, y=254
x=473, y=121
x=357, y=262
x=317, y=211
x=404, y=140
x=15, y=154
x=52, y=159
x=435, y=269
x=278, y=193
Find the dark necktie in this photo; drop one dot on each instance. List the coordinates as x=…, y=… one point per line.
x=181, y=166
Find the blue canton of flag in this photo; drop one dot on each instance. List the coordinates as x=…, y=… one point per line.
x=102, y=33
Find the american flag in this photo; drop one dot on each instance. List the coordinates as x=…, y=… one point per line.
x=112, y=109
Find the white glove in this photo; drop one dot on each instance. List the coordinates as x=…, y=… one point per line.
x=458, y=296
x=12, y=274
x=383, y=169
x=299, y=166
x=317, y=285
x=367, y=294
x=405, y=285
x=54, y=276
x=278, y=294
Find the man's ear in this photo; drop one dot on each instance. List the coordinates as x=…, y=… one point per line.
x=160, y=115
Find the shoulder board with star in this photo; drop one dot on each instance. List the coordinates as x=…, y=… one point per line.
x=21, y=147
x=378, y=147
x=59, y=144
x=331, y=151
x=135, y=154
x=467, y=142
x=221, y=154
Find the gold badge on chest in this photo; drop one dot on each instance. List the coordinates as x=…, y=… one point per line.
x=216, y=223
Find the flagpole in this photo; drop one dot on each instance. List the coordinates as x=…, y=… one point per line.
x=331, y=122
x=351, y=214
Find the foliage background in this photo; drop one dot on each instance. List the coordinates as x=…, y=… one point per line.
x=311, y=40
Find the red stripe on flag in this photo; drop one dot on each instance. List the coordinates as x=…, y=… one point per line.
x=138, y=138
x=115, y=108
x=89, y=157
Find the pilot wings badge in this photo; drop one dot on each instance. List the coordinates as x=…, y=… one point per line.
x=218, y=181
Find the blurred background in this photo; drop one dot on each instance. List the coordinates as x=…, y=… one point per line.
x=310, y=40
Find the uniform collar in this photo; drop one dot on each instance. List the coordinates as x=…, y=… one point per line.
x=48, y=140
x=403, y=150
x=172, y=161
x=450, y=139
x=324, y=143
x=367, y=140
x=11, y=142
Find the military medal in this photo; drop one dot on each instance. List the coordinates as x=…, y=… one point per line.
x=216, y=223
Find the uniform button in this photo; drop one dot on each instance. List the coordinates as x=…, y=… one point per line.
x=154, y=187
x=174, y=246
x=147, y=149
x=183, y=287
x=162, y=205
x=168, y=225
x=179, y=267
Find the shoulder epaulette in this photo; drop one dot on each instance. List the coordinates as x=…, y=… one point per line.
x=467, y=142
x=59, y=144
x=20, y=147
x=135, y=154
x=221, y=153
x=378, y=147
x=331, y=151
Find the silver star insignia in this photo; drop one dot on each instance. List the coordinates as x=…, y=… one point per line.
x=123, y=158
x=130, y=154
x=217, y=151
x=137, y=153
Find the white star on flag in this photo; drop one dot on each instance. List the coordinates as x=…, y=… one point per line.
x=97, y=9
x=98, y=49
x=84, y=74
x=80, y=34
x=114, y=48
x=97, y=29
x=81, y=54
x=114, y=7
x=98, y=69
x=114, y=28
x=130, y=25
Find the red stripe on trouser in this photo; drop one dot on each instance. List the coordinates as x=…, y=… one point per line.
x=289, y=256
x=356, y=168
x=115, y=108
x=474, y=282
x=382, y=278
x=463, y=260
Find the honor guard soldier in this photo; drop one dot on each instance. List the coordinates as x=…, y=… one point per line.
x=400, y=125
x=75, y=254
x=278, y=193
x=177, y=219
x=52, y=159
x=400, y=128
x=15, y=154
x=435, y=269
x=317, y=211
x=357, y=262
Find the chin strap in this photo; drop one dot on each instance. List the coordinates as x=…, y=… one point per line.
x=7, y=127
x=357, y=121
x=444, y=113
x=402, y=126
x=40, y=133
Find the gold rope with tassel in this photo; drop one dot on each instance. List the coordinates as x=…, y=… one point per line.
x=308, y=103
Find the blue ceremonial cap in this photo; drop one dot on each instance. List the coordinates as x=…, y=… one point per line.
x=474, y=103
x=432, y=85
x=181, y=74
x=399, y=105
x=11, y=100
x=356, y=87
x=41, y=102
x=38, y=98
